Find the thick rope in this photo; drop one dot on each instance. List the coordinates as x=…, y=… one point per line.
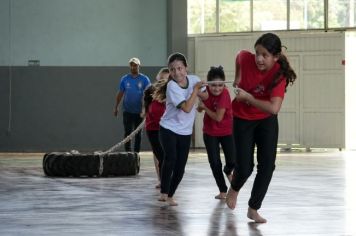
x=117, y=146
x=125, y=140
x=218, y=81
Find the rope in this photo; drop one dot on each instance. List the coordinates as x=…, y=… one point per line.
x=117, y=146
x=218, y=81
x=125, y=140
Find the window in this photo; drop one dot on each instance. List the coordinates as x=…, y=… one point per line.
x=341, y=13
x=306, y=14
x=201, y=16
x=234, y=16
x=220, y=16
x=269, y=15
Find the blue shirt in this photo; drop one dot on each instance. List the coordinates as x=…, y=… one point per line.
x=133, y=89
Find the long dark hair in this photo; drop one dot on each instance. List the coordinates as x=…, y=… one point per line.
x=274, y=46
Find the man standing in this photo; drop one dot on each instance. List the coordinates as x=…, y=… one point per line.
x=131, y=88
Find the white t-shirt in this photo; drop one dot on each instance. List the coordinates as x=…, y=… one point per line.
x=175, y=119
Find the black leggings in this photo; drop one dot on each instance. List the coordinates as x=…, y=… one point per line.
x=131, y=122
x=153, y=138
x=264, y=135
x=213, y=149
x=176, y=151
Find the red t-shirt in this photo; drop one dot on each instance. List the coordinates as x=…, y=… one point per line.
x=154, y=114
x=224, y=127
x=257, y=83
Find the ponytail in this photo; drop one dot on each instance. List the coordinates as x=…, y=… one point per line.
x=160, y=89
x=285, y=70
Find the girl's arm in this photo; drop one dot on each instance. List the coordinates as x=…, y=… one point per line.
x=272, y=106
x=189, y=104
x=237, y=75
x=218, y=115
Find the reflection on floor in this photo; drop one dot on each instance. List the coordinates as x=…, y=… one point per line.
x=310, y=194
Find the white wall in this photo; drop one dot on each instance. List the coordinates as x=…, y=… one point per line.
x=350, y=85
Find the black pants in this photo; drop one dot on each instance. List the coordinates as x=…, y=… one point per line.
x=153, y=138
x=212, y=144
x=176, y=151
x=264, y=135
x=131, y=122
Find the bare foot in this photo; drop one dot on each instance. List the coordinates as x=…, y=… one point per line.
x=220, y=196
x=231, y=198
x=253, y=215
x=171, y=202
x=163, y=197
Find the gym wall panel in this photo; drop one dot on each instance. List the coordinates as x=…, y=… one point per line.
x=322, y=81
x=4, y=101
x=319, y=91
x=323, y=129
x=63, y=108
x=316, y=42
x=4, y=32
x=289, y=115
x=291, y=98
x=211, y=51
x=322, y=61
x=191, y=55
x=288, y=121
x=85, y=32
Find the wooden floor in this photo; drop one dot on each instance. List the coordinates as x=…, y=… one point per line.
x=310, y=194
